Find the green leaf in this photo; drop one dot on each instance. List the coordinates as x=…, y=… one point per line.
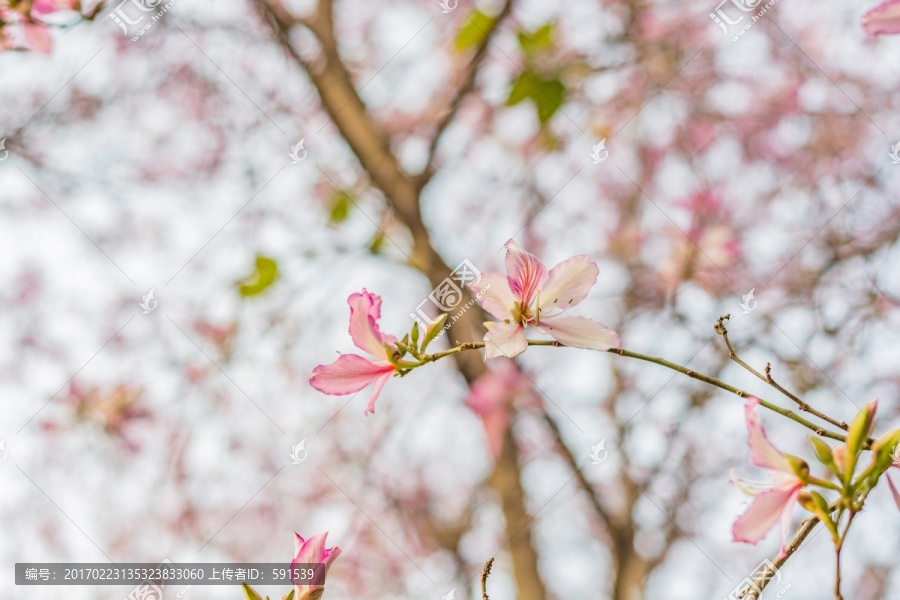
x=290, y=596
x=547, y=94
x=250, y=593
x=473, y=32
x=538, y=41
x=884, y=449
x=823, y=451
x=819, y=507
x=883, y=455
x=433, y=330
x=856, y=435
x=340, y=207
x=262, y=277
x=414, y=336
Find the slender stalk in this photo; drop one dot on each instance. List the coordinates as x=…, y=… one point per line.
x=427, y=358
x=720, y=329
x=838, y=546
x=485, y=571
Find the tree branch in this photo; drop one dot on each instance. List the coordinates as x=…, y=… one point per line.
x=464, y=89
x=369, y=142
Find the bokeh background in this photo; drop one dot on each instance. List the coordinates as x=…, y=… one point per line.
x=432, y=134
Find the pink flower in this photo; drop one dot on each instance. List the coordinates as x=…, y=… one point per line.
x=491, y=397
x=38, y=38
x=884, y=18
x=351, y=372
x=313, y=552
x=530, y=296
x=43, y=7
x=772, y=502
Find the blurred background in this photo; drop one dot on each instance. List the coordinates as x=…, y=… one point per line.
x=148, y=153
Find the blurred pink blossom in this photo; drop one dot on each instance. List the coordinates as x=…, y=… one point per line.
x=313, y=551
x=351, y=372
x=699, y=256
x=771, y=502
x=43, y=7
x=884, y=18
x=491, y=397
x=38, y=38
x=530, y=295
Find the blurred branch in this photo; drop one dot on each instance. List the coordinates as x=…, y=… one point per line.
x=582, y=481
x=464, y=89
x=369, y=142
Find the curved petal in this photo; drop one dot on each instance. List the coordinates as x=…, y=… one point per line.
x=884, y=18
x=581, y=332
x=309, y=551
x=492, y=291
x=894, y=492
x=525, y=273
x=568, y=283
x=313, y=551
x=765, y=510
x=762, y=452
x=379, y=383
x=38, y=38
x=349, y=373
x=786, y=519
x=504, y=339
x=365, y=310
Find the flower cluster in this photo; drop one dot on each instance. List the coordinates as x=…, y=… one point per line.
x=791, y=482
x=29, y=19
x=528, y=296
x=531, y=297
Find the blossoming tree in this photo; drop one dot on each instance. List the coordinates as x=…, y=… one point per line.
x=251, y=165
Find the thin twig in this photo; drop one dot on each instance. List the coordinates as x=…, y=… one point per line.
x=721, y=330
x=820, y=431
x=464, y=89
x=485, y=571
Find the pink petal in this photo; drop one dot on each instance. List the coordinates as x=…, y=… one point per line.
x=309, y=551
x=525, y=273
x=763, y=513
x=349, y=373
x=894, y=492
x=379, y=383
x=313, y=551
x=786, y=519
x=568, y=283
x=581, y=332
x=497, y=298
x=762, y=452
x=38, y=38
x=365, y=310
x=504, y=339
x=884, y=18
x=43, y=7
